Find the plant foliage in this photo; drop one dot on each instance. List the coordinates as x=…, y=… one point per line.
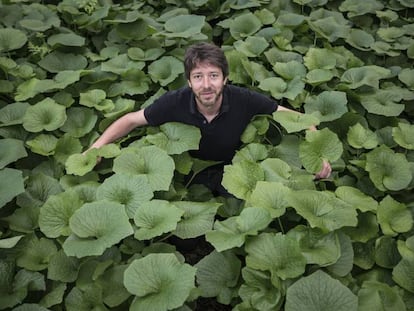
x=79, y=236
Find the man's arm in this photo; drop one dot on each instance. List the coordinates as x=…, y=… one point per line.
x=120, y=128
x=326, y=170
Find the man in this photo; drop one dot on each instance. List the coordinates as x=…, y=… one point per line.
x=219, y=110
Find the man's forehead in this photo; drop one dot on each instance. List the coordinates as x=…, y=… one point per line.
x=205, y=67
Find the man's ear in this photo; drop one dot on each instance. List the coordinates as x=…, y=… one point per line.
x=189, y=83
x=225, y=81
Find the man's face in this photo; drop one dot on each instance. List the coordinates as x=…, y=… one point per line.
x=207, y=82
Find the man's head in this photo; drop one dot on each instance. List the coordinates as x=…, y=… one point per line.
x=205, y=53
x=206, y=70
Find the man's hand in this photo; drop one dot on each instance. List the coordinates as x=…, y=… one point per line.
x=325, y=172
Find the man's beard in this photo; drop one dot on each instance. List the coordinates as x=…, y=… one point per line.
x=208, y=102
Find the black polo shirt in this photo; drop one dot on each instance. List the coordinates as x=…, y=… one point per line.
x=221, y=137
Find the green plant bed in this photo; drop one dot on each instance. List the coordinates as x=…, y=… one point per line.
x=77, y=236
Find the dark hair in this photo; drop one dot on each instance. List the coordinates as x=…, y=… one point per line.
x=205, y=52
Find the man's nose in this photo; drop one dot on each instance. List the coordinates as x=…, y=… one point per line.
x=206, y=81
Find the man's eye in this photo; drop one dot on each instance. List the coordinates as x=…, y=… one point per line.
x=214, y=75
x=197, y=77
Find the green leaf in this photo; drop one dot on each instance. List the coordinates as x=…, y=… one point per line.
x=13, y=113
x=10, y=242
x=38, y=189
x=165, y=70
x=55, y=213
x=63, y=268
x=10, y=151
x=65, y=147
x=176, y=138
x=197, y=219
x=80, y=121
x=152, y=162
x=322, y=209
x=260, y=291
x=57, y=61
x=44, y=115
x=375, y=295
x=11, y=39
x=90, y=296
x=277, y=253
x=318, y=247
x=81, y=164
x=184, y=26
x=327, y=106
x=329, y=24
x=290, y=70
x=240, y=178
x=319, y=292
x=360, y=39
x=43, y=144
x=356, y=8
x=66, y=39
x=383, y=102
x=269, y=195
x=96, y=98
x=156, y=217
x=159, y=282
x=295, y=122
x=318, y=76
x=394, y=217
x=218, y=275
x=128, y=190
x=233, y=231
x=244, y=26
x=387, y=169
x=406, y=76
x=251, y=46
x=30, y=307
x=317, y=58
x=386, y=252
x=112, y=284
x=360, y=137
x=364, y=76
x=36, y=253
x=356, y=198
x=319, y=146
x=96, y=226
x=11, y=185
x=404, y=135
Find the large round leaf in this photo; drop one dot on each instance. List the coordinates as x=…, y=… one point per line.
x=320, y=292
x=244, y=25
x=96, y=226
x=11, y=184
x=159, y=282
x=11, y=39
x=319, y=146
x=153, y=218
x=388, y=169
x=176, y=138
x=129, y=190
x=322, y=209
x=58, y=61
x=55, y=213
x=150, y=161
x=165, y=70
x=218, y=275
x=80, y=121
x=277, y=253
x=184, y=26
x=10, y=151
x=45, y=115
